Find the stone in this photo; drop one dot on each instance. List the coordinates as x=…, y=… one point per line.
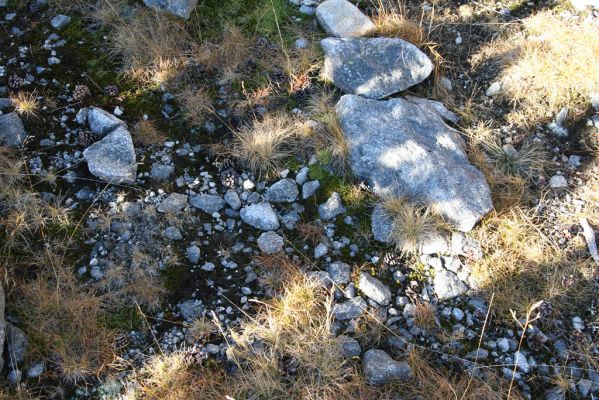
x=350, y=309
x=12, y=131
x=270, y=242
x=320, y=250
x=2, y=326
x=374, y=67
x=209, y=203
x=260, y=216
x=403, y=148
x=494, y=89
x=447, y=285
x=191, y=309
x=16, y=346
x=36, y=370
x=174, y=203
x=374, y=289
x=102, y=122
x=380, y=368
x=173, y=233
x=161, y=172
x=340, y=272
x=349, y=346
x=233, y=200
x=60, y=21
x=341, y=18
x=464, y=245
x=180, y=8
x=331, y=208
x=521, y=362
x=193, y=254
x=302, y=175
x=381, y=224
x=309, y=188
x=558, y=182
x=112, y=158
x=283, y=191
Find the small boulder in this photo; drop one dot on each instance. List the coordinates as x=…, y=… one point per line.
x=340, y=272
x=349, y=346
x=270, y=242
x=174, y=203
x=341, y=18
x=447, y=284
x=180, y=8
x=380, y=368
x=331, y=208
x=233, y=200
x=193, y=254
x=113, y=158
x=350, y=309
x=283, y=191
x=260, y=216
x=60, y=21
x=209, y=203
x=374, y=289
x=12, y=131
x=309, y=188
x=101, y=122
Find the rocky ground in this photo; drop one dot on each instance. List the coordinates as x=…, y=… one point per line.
x=198, y=229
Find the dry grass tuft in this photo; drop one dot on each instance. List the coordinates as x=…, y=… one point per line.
x=275, y=270
x=265, y=145
x=146, y=133
x=25, y=104
x=413, y=225
x=196, y=104
x=424, y=316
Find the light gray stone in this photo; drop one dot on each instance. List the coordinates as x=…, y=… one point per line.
x=260, y=216
x=380, y=368
x=174, y=203
x=270, y=242
x=60, y=21
x=341, y=18
x=558, y=182
x=403, y=148
x=320, y=250
x=331, y=208
x=173, y=233
x=340, y=272
x=193, y=254
x=283, y=191
x=209, y=203
x=16, y=345
x=302, y=175
x=2, y=326
x=374, y=67
x=464, y=245
x=191, y=309
x=349, y=346
x=180, y=8
x=113, y=158
x=161, y=172
x=374, y=289
x=101, y=122
x=350, y=309
x=447, y=285
x=381, y=224
x=233, y=200
x=12, y=131
x=309, y=188
x=36, y=370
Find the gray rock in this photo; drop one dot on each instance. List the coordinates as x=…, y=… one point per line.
x=193, y=254
x=320, y=277
x=36, y=370
x=309, y=188
x=174, y=203
x=464, y=245
x=260, y=216
x=381, y=224
x=161, y=172
x=12, y=131
x=180, y=8
x=447, y=285
x=3, y=3
x=350, y=309
x=404, y=148
x=191, y=309
x=341, y=18
x=349, y=346
x=270, y=242
x=558, y=182
x=283, y=191
x=340, y=272
x=320, y=250
x=380, y=368
x=209, y=203
x=302, y=175
x=173, y=233
x=233, y=200
x=101, y=122
x=521, y=362
x=17, y=343
x=331, y=208
x=479, y=354
x=374, y=67
x=113, y=158
x=5, y=103
x=374, y=289
x=59, y=21
x=2, y=327
x=14, y=376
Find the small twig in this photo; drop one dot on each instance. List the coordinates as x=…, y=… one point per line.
x=589, y=236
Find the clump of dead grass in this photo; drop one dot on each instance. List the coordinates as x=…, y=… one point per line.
x=196, y=104
x=25, y=104
x=425, y=316
x=146, y=133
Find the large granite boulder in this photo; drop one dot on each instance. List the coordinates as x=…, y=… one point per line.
x=341, y=18
x=403, y=148
x=12, y=131
x=374, y=67
x=180, y=8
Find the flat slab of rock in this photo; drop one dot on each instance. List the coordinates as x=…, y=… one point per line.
x=180, y=8
x=374, y=289
x=209, y=203
x=283, y=191
x=12, y=131
x=341, y=18
x=174, y=203
x=403, y=148
x=380, y=368
x=374, y=67
x=113, y=158
x=260, y=216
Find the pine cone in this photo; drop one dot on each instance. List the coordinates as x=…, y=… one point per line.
x=86, y=138
x=15, y=81
x=81, y=92
x=111, y=90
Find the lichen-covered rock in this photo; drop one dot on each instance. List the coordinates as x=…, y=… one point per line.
x=283, y=191
x=374, y=67
x=270, y=242
x=209, y=203
x=12, y=131
x=403, y=148
x=341, y=18
x=180, y=8
x=260, y=216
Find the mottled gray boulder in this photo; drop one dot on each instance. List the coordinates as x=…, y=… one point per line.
x=350, y=309
x=113, y=158
x=283, y=191
x=270, y=242
x=403, y=148
x=174, y=203
x=331, y=208
x=380, y=368
x=374, y=67
x=180, y=8
x=12, y=131
x=374, y=289
x=447, y=284
x=341, y=18
x=349, y=346
x=260, y=216
x=101, y=122
x=209, y=203
x=340, y=272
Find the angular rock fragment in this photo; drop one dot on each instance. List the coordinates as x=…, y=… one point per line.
x=12, y=131
x=341, y=18
x=380, y=368
x=113, y=158
x=374, y=289
x=374, y=67
x=260, y=216
x=180, y=8
x=403, y=148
